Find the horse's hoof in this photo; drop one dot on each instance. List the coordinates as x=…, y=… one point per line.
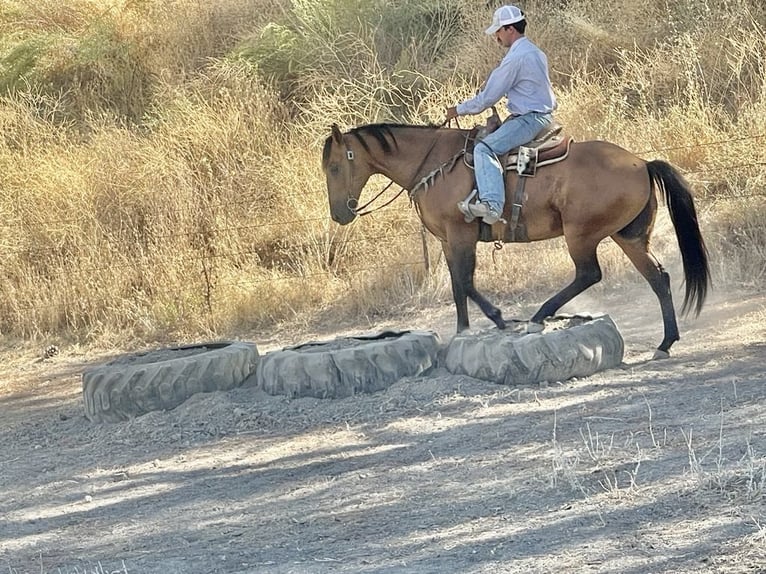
x=500, y=324
x=533, y=328
x=659, y=354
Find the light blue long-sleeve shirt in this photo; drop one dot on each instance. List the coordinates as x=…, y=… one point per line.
x=521, y=76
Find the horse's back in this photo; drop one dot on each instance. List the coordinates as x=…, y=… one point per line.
x=605, y=157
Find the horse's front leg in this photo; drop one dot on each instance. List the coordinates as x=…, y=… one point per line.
x=457, y=278
x=460, y=253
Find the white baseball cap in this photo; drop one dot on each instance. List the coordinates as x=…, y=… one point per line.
x=504, y=15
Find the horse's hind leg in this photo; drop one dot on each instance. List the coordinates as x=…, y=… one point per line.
x=460, y=253
x=587, y=273
x=637, y=251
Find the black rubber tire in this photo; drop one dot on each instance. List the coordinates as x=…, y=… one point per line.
x=163, y=379
x=570, y=346
x=346, y=366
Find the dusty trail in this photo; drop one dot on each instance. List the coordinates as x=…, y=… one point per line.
x=654, y=467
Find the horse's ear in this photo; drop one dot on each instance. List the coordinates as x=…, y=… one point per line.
x=336, y=135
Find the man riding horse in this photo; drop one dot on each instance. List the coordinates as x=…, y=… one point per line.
x=522, y=77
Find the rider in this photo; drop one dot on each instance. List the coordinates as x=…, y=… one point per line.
x=522, y=76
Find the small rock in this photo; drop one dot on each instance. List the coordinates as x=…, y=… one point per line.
x=50, y=351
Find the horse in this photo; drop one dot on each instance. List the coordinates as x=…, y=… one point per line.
x=600, y=190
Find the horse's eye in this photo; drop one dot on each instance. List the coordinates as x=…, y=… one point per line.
x=334, y=169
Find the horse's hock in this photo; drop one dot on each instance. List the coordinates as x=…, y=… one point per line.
x=569, y=346
x=345, y=366
x=163, y=379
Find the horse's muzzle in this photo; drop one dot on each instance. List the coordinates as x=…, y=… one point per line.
x=342, y=214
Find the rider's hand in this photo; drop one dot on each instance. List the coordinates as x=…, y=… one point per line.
x=451, y=113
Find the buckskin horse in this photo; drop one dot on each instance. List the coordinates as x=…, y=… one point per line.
x=600, y=190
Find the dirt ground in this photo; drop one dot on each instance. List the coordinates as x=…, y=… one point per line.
x=657, y=466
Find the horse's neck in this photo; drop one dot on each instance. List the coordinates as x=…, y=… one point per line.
x=417, y=152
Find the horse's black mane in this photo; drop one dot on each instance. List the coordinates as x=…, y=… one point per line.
x=387, y=127
x=382, y=133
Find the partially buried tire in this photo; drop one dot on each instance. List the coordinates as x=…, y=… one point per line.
x=346, y=366
x=163, y=379
x=569, y=346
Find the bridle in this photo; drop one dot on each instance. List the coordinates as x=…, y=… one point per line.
x=353, y=203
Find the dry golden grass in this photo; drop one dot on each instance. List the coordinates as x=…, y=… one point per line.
x=193, y=204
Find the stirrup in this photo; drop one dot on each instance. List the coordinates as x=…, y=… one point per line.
x=464, y=207
x=485, y=212
x=468, y=210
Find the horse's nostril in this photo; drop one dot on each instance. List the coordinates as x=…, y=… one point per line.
x=341, y=213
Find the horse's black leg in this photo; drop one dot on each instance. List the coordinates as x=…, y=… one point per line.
x=457, y=278
x=493, y=313
x=587, y=273
x=461, y=260
x=638, y=252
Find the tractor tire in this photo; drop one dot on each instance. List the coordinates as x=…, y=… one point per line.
x=163, y=379
x=343, y=367
x=569, y=346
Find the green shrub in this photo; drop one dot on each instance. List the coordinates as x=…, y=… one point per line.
x=384, y=47
x=93, y=72
x=17, y=63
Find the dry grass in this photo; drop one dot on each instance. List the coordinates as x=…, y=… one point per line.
x=157, y=185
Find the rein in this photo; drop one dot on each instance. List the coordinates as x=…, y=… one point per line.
x=358, y=209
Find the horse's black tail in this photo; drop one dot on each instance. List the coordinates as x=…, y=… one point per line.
x=683, y=214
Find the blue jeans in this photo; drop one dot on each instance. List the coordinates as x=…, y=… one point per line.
x=514, y=132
